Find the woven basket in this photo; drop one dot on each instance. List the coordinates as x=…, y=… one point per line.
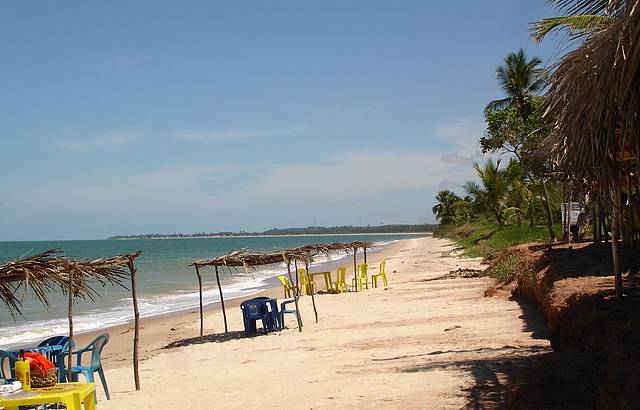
x=49, y=379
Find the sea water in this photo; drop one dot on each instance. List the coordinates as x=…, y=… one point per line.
x=165, y=281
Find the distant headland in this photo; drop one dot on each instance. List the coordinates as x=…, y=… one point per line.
x=311, y=230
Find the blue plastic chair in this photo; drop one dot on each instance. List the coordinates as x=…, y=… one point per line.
x=54, y=348
x=284, y=310
x=275, y=323
x=95, y=347
x=8, y=359
x=254, y=310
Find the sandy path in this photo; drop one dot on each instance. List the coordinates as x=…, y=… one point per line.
x=419, y=344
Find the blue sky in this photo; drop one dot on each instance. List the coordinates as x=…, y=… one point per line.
x=161, y=116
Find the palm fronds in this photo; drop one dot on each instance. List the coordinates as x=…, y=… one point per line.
x=44, y=272
x=578, y=25
x=593, y=103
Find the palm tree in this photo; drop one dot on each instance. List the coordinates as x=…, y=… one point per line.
x=445, y=209
x=522, y=79
x=582, y=17
x=492, y=193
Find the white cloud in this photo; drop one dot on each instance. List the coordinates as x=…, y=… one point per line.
x=455, y=158
x=96, y=143
x=355, y=174
x=236, y=134
x=463, y=133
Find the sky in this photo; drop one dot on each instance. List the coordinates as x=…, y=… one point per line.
x=127, y=117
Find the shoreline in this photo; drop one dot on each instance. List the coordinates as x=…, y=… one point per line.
x=119, y=348
x=250, y=288
x=274, y=236
x=429, y=340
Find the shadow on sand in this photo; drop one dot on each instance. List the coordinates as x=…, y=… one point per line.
x=211, y=338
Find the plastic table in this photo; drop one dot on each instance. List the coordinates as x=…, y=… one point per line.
x=327, y=279
x=70, y=394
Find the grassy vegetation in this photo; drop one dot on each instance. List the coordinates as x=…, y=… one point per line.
x=482, y=238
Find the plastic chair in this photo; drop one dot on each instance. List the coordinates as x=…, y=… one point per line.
x=340, y=285
x=271, y=306
x=8, y=359
x=307, y=284
x=95, y=347
x=288, y=287
x=254, y=310
x=362, y=277
x=284, y=310
x=54, y=349
x=381, y=274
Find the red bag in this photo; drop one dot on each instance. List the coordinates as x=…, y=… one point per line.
x=38, y=363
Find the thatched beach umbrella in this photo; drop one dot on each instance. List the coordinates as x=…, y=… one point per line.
x=236, y=259
x=593, y=110
x=44, y=271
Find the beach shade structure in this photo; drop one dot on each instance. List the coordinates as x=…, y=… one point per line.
x=592, y=110
x=353, y=247
x=248, y=261
x=44, y=272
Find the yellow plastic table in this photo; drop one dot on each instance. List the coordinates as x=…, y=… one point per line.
x=327, y=278
x=70, y=394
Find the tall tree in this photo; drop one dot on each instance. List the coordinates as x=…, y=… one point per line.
x=493, y=192
x=445, y=209
x=521, y=79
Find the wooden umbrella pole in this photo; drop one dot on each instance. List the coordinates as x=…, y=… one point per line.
x=295, y=266
x=365, y=254
x=355, y=271
x=136, y=323
x=224, y=312
x=70, y=316
x=615, y=236
x=313, y=300
x=295, y=298
x=200, y=291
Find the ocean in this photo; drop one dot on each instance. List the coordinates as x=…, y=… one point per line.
x=165, y=282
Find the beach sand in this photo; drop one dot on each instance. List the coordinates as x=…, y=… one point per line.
x=421, y=343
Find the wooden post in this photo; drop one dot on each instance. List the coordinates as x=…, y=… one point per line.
x=355, y=269
x=200, y=291
x=224, y=312
x=313, y=300
x=365, y=254
x=565, y=214
x=136, y=323
x=295, y=298
x=295, y=266
x=615, y=238
x=596, y=222
x=70, y=316
x=552, y=234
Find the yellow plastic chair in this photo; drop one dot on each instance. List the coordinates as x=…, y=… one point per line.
x=362, y=278
x=307, y=285
x=288, y=287
x=340, y=285
x=381, y=274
